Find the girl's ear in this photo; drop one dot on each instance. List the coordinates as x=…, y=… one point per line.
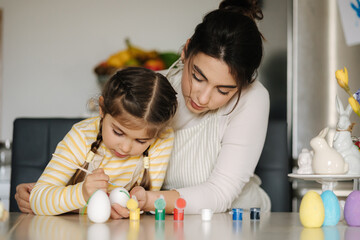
x=101, y=103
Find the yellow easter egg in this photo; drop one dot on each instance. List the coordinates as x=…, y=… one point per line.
x=312, y=212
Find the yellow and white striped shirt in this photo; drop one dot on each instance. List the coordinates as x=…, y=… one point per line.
x=52, y=196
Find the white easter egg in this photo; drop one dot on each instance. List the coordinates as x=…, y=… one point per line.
x=99, y=208
x=120, y=196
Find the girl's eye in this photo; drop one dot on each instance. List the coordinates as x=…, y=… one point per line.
x=222, y=92
x=141, y=141
x=117, y=133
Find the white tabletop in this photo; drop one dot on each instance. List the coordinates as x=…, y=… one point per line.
x=72, y=226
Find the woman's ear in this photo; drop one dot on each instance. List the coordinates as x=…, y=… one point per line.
x=101, y=104
x=182, y=56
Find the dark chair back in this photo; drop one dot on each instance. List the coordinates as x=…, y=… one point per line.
x=34, y=141
x=274, y=166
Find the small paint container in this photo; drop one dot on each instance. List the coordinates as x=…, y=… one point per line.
x=180, y=204
x=159, y=214
x=237, y=214
x=206, y=214
x=135, y=214
x=160, y=205
x=254, y=213
x=178, y=214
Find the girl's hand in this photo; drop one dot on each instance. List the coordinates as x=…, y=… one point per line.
x=118, y=211
x=22, y=196
x=140, y=194
x=95, y=181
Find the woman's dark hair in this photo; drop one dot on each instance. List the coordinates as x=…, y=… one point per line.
x=138, y=98
x=231, y=35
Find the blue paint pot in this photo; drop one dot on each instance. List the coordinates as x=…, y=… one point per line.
x=237, y=214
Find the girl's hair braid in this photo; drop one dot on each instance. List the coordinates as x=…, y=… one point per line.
x=79, y=175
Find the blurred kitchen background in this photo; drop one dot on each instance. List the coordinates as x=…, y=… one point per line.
x=49, y=49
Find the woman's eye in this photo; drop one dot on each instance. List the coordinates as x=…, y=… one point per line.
x=117, y=133
x=222, y=92
x=196, y=77
x=141, y=141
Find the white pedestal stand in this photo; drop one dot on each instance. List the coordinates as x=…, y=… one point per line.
x=328, y=182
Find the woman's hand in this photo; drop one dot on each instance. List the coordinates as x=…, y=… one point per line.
x=141, y=196
x=118, y=211
x=22, y=196
x=95, y=181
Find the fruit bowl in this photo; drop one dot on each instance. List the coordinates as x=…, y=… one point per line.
x=134, y=56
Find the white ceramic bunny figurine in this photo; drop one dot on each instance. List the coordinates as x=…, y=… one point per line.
x=304, y=162
x=342, y=139
x=326, y=160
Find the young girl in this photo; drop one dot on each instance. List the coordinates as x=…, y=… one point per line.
x=135, y=108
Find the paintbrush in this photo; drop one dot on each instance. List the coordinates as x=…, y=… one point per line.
x=78, y=167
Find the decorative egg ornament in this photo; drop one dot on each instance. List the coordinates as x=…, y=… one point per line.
x=332, y=208
x=120, y=196
x=352, y=209
x=99, y=208
x=312, y=212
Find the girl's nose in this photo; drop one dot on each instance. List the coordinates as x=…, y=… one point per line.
x=126, y=145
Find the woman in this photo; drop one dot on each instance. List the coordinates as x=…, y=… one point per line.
x=222, y=117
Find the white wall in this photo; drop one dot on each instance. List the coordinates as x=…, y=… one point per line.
x=50, y=48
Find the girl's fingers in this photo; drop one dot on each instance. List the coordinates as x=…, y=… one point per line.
x=93, y=182
x=98, y=170
x=99, y=175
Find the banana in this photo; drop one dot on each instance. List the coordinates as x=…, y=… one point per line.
x=139, y=53
x=119, y=59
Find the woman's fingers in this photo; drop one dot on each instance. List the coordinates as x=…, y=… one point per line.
x=140, y=194
x=118, y=211
x=22, y=196
x=23, y=205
